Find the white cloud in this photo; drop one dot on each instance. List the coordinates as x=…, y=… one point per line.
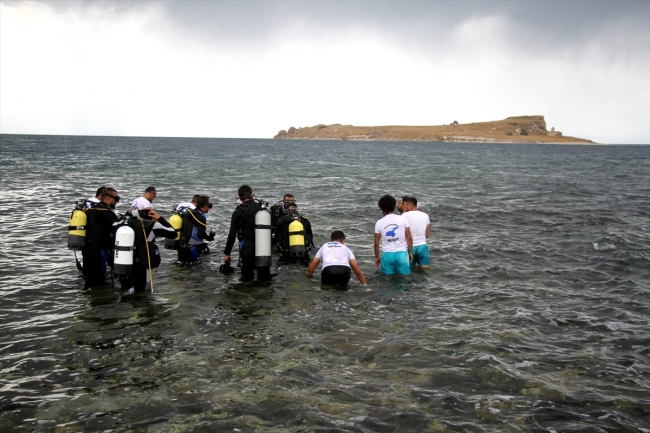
x=105, y=72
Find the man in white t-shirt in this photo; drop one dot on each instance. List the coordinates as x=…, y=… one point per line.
x=395, y=236
x=97, y=199
x=337, y=260
x=187, y=205
x=144, y=202
x=419, y=225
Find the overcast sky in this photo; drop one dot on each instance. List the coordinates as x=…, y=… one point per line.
x=251, y=68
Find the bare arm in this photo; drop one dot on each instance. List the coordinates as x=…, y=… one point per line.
x=312, y=267
x=409, y=242
x=427, y=232
x=357, y=271
x=377, y=259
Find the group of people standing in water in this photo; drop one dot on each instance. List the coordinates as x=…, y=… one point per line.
x=133, y=253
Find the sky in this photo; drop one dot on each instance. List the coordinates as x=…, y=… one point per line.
x=248, y=69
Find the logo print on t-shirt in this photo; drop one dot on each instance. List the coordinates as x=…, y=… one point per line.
x=391, y=233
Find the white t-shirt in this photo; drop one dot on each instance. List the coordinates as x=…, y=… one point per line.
x=91, y=200
x=335, y=254
x=141, y=203
x=418, y=222
x=392, y=229
x=183, y=206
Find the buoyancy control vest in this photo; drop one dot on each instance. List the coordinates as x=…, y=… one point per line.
x=99, y=232
x=246, y=229
x=190, y=219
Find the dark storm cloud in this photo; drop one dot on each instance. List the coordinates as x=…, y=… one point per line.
x=531, y=25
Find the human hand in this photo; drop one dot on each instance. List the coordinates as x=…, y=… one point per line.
x=377, y=262
x=155, y=216
x=226, y=259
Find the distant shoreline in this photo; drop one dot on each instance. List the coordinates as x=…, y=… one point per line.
x=515, y=130
x=453, y=139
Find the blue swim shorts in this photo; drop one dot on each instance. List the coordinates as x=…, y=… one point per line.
x=420, y=255
x=395, y=262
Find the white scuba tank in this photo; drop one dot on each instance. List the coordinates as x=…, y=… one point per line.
x=263, y=238
x=123, y=256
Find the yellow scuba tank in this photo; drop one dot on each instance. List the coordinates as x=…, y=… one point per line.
x=296, y=239
x=77, y=229
x=176, y=221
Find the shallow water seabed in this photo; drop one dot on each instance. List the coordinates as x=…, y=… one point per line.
x=533, y=316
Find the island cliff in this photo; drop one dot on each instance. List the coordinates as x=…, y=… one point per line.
x=519, y=129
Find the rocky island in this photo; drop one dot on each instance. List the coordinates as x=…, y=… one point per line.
x=519, y=129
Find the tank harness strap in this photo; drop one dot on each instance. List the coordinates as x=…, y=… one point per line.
x=146, y=244
x=76, y=227
x=262, y=226
x=195, y=219
x=123, y=248
x=301, y=232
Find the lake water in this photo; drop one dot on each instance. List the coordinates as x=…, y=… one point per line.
x=533, y=316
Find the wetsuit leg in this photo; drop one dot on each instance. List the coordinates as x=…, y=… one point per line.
x=139, y=277
x=264, y=273
x=247, y=254
x=94, y=266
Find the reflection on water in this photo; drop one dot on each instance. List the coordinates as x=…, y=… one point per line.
x=533, y=316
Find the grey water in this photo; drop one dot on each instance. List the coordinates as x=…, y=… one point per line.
x=532, y=318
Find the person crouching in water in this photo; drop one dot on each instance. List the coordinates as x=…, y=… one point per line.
x=147, y=224
x=295, y=237
x=338, y=260
x=195, y=230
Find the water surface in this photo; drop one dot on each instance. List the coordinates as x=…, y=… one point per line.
x=533, y=317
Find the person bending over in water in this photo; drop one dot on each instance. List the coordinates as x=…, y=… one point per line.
x=337, y=260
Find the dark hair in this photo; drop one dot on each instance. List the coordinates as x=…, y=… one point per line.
x=244, y=192
x=412, y=200
x=202, y=200
x=108, y=192
x=195, y=196
x=288, y=195
x=337, y=235
x=387, y=203
x=150, y=189
x=99, y=190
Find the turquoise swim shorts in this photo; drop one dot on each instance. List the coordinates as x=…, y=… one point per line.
x=420, y=255
x=395, y=262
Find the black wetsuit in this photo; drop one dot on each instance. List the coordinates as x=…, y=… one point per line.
x=277, y=212
x=188, y=249
x=242, y=225
x=97, y=251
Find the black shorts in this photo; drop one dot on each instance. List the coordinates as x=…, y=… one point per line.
x=336, y=275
